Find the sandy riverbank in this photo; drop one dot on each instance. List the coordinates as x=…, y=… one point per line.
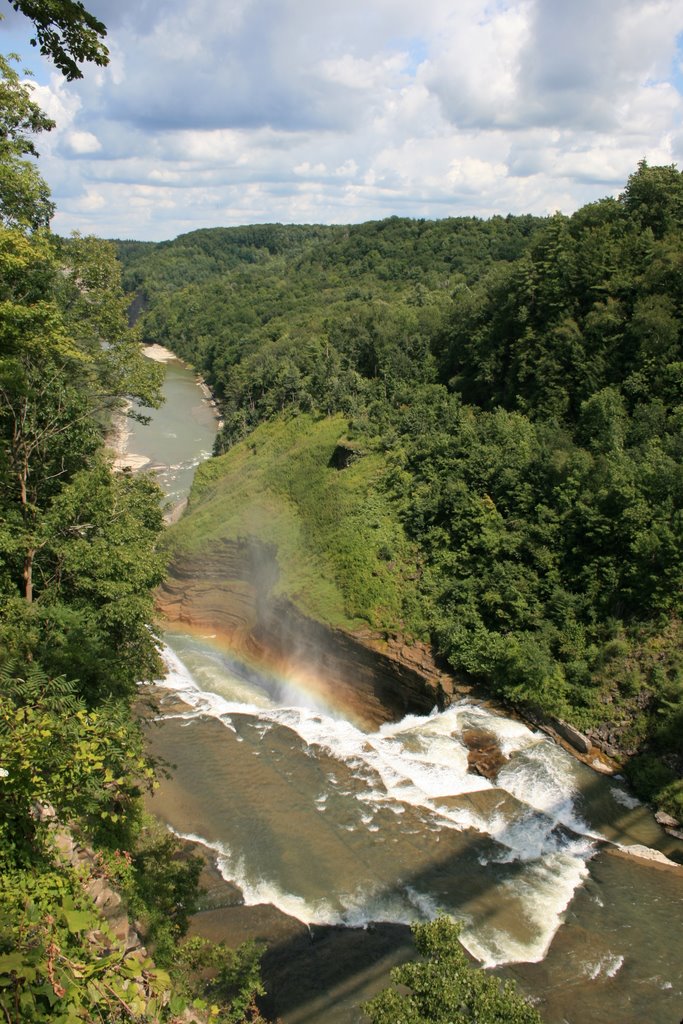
x=117, y=441
x=159, y=354
x=120, y=432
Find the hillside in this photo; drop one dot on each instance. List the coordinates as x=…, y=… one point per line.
x=342, y=553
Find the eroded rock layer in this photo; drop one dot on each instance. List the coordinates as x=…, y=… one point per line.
x=231, y=592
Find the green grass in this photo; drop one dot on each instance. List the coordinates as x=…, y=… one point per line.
x=342, y=553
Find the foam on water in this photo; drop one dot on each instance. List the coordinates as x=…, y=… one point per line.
x=206, y=702
x=400, y=906
x=356, y=909
x=260, y=890
x=607, y=966
x=625, y=799
x=421, y=763
x=539, y=777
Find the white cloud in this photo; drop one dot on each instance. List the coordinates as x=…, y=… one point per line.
x=254, y=110
x=309, y=170
x=92, y=201
x=82, y=143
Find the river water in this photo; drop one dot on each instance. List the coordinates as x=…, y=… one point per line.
x=335, y=824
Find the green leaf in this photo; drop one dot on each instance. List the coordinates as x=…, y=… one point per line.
x=78, y=920
x=11, y=962
x=176, y=1004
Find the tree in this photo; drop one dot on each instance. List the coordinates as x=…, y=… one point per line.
x=24, y=196
x=57, y=753
x=653, y=197
x=67, y=33
x=444, y=988
x=73, y=540
x=68, y=358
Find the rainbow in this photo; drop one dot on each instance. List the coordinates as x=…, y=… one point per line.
x=283, y=680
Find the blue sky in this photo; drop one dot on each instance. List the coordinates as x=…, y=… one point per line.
x=248, y=111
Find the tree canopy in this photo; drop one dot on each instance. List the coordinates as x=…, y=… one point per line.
x=444, y=988
x=24, y=196
x=66, y=33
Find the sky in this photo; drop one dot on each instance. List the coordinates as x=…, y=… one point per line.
x=226, y=112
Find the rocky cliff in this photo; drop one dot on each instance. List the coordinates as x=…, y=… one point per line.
x=232, y=592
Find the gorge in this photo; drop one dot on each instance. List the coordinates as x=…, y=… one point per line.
x=338, y=809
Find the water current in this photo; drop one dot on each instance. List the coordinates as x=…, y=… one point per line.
x=333, y=824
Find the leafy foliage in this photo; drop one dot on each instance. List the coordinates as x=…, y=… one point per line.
x=56, y=753
x=229, y=979
x=162, y=886
x=67, y=33
x=24, y=196
x=444, y=988
x=59, y=962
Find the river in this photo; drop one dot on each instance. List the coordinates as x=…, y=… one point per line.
x=337, y=825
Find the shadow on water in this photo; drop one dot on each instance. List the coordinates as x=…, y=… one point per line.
x=633, y=825
x=615, y=958
x=322, y=973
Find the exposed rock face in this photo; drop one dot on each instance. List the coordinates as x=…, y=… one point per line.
x=573, y=736
x=344, y=454
x=580, y=746
x=104, y=896
x=666, y=820
x=484, y=754
x=230, y=593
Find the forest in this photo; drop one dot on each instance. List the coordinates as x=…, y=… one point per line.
x=520, y=381
x=79, y=558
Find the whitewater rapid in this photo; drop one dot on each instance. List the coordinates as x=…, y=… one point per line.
x=537, y=845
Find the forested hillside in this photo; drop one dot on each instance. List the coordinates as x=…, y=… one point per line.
x=78, y=561
x=521, y=380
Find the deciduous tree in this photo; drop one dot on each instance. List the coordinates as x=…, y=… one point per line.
x=444, y=987
x=66, y=33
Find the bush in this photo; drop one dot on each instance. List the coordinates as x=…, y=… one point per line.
x=444, y=988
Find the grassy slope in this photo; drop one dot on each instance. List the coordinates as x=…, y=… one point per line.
x=343, y=556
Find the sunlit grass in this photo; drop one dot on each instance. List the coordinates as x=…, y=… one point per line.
x=341, y=550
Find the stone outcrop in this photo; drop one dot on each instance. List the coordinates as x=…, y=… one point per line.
x=670, y=824
x=95, y=882
x=484, y=756
x=232, y=592
x=575, y=738
x=576, y=743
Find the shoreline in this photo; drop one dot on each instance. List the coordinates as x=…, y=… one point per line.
x=117, y=442
x=119, y=435
x=160, y=354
